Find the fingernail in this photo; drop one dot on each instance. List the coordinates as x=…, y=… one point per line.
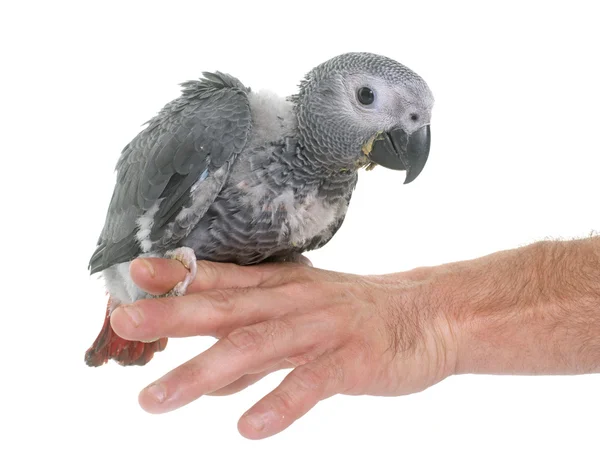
x=149, y=266
x=258, y=421
x=157, y=391
x=135, y=316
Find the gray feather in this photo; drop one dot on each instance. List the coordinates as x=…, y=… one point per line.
x=203, y=129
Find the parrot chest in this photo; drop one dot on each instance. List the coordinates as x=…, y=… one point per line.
x=294, y=215
x=305, y=218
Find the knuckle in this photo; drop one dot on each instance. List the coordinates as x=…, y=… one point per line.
x=219, y=299
x=299, y=289
x=299, y=273
x=303, y=272
x=256, y=337
x=245, y=339
x=295, y=289
x=308, y=378
x=284, y=402
x=302, y=359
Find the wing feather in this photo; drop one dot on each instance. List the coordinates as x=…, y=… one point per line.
x=192, y=137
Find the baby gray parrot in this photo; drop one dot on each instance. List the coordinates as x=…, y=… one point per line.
x=226, y=174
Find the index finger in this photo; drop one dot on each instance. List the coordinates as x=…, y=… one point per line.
x=158, y=276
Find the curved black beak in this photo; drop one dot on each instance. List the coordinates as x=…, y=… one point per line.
x=399, y=151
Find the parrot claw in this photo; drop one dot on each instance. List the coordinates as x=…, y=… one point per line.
x=188, y=259
x=179, y=290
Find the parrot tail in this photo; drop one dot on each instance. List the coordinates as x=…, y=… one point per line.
x=110, y=346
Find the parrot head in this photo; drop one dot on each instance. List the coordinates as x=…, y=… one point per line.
x=361, y=109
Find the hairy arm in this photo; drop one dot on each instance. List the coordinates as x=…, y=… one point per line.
x=533, y=310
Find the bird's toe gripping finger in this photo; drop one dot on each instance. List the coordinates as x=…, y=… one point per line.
x=179, y=289
x=188, y=259
x=185, y=255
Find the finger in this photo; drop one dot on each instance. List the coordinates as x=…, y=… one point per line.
x=300, y=391
x=158, y=276
x=212, y=313
x=246, y=350
x=248, y=380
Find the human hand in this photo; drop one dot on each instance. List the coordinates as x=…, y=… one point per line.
x=342, y=334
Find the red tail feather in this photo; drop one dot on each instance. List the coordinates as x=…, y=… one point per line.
x=110, y=346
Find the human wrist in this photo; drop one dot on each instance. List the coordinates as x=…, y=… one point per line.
x=426, y=329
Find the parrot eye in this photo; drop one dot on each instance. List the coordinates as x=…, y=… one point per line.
x=365, y=96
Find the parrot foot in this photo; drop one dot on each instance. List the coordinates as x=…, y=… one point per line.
x=187, y=257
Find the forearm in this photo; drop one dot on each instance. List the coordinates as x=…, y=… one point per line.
x=533, y=310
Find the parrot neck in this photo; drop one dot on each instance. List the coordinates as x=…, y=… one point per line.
x=306, y=167
x=329, y=162
x=325, y=166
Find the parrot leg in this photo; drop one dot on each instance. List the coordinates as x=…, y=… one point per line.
x=110, y=346
x=188, y=258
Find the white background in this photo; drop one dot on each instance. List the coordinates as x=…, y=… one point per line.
x=515, y=158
